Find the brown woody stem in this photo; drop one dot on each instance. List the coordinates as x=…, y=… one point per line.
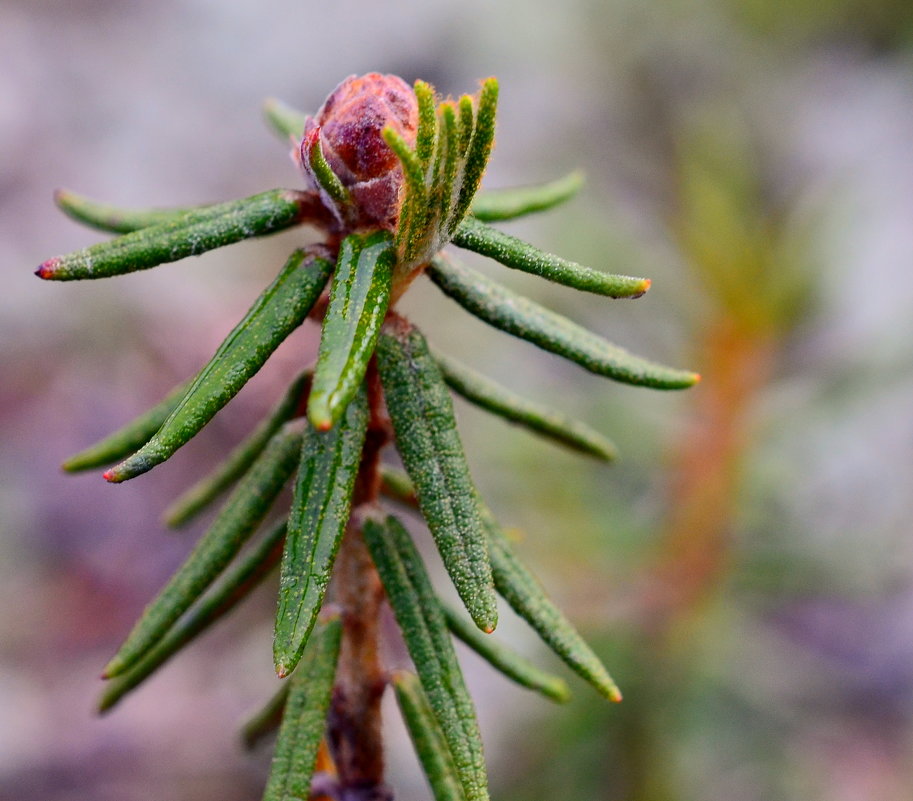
x=355, y=720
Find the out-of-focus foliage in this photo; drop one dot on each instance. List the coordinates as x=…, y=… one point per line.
x=882, y=25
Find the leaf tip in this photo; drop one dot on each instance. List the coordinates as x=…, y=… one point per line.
x=486, y=621
x=174, y=519
x=105, y=704
x=113, y=668
x=47, y=269
x=562, y=693
x=318, y=413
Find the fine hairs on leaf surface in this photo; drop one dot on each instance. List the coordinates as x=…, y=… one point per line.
x=390, y=177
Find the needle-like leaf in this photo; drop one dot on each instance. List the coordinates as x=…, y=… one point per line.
x=508, y=204
x=426, y=437
x=427, y=125
x=467, y=123
x=535, y=417
x=479, y=150
x=281, y=308
x=192, y=233
x=127, y=439
x=396, y=484
x=424, y=629
x=317, y=521
x=202, y=494
x=359, y=299
x=283, y=120
x=522, y=590
x=117, y=220
x=322, y=171
x=411, y=231
x=509, y=662
x=449, y=152
x=517, y=315
x=236, y=521
x=304, y=719
x=231, y=590
x=266, y=719
x=427, y=737
x=519, y=255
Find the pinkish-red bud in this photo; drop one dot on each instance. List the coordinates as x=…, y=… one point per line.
x=350, y=121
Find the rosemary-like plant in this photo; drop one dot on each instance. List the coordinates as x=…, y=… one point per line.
x=391, y=175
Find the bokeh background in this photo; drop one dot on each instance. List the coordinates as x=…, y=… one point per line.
x=746, y=569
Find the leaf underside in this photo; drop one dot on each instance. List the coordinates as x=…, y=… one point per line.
x=422, y=414
x=425, y=632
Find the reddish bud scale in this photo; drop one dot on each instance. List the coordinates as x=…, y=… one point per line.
x=351, y=121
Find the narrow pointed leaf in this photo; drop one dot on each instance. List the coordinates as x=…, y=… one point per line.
x=522, y=590
x=191, y=234
x=519, y=255
x=521, y=317
x=412, y=229
x=114, y=219
x=449, y=146
x=119, y=220
x=427, y=439
x=266, y=719
x=231, y=590
x=509, y=662
x=284, y=120
x=202, y=494
x=508, y=204
x=281, y=308
x=127, y=439
x=359, y=299
x=322, y=171
x=239, y=517
x=467, y=123
x=395, y=484
x=535, y=417
x=424, y=142
x=479, y=149
x=304, y=720
x=427, y=737
x=317, y=521
x=424, y=630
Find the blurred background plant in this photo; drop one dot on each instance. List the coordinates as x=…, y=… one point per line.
x=746, y=567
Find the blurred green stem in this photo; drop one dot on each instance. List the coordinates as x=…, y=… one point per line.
x=693, y=554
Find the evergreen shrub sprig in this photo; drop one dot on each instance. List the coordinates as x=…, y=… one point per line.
x=392, y=175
